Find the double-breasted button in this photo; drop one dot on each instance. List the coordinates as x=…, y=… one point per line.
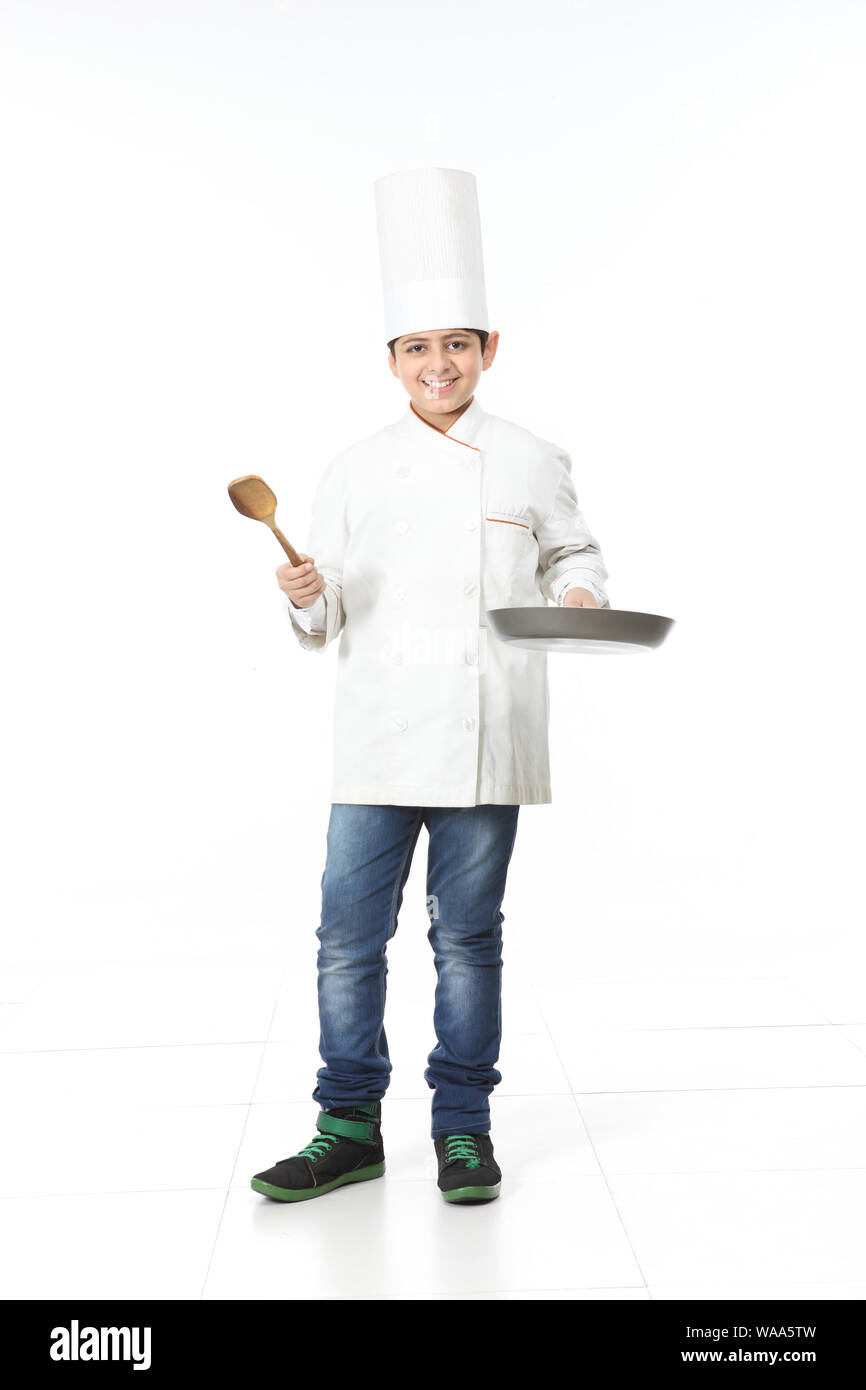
x=398, y=595
x=401, y=724
x=469, y=725
x=401, y=527
x=471, y=658
x=472, y=523
x=403, y=470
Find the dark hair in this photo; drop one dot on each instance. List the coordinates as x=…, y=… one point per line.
x=480, y=332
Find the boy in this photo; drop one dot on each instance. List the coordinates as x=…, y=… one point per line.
x=417, y=530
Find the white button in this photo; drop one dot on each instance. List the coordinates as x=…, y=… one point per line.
x=401, y=724
x=469, y=588
x=472, y=523
x=401, y=527
x=403, y=470
x=469, y=724
x=398, y=595
x=471, y=658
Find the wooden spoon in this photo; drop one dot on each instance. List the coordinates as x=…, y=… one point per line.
x=253, y=498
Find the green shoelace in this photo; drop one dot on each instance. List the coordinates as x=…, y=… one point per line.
x=323, y=1143
x=462, y=1146
x=318, y=1147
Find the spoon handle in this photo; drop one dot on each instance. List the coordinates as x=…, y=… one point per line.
x=287, y=547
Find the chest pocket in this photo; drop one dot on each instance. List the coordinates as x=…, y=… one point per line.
x=506, y=527
x=511, y=555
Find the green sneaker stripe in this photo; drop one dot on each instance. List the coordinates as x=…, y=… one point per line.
x=301, y=1194
x=464, y=1194
x=359, y=1130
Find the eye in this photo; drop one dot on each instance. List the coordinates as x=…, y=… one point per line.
x=455, y=342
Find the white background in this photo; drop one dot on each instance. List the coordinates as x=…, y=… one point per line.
x=672, y=205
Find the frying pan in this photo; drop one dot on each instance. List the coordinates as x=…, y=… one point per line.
x=592, y=631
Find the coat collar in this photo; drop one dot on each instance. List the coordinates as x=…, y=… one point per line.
x=465, y=430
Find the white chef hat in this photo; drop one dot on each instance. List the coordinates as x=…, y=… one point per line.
x=430, y=251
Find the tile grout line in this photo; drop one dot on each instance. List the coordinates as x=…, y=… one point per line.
x=253, y=1042
x=392, y=1178
x=638, y=1091
x=559, y=1288
x=592, y=1146
x=228, y=1190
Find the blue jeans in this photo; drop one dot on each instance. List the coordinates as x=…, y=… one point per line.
x=369, y=856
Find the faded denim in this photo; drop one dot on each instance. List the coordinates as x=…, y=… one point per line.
x=369, y=855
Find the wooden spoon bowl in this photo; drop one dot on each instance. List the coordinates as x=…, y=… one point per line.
x=252, y=497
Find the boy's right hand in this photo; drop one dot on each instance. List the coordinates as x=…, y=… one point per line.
x=301, y=583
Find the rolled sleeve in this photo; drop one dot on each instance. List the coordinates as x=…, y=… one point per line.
x=577, y=579
x=317, y=626
x=311, y=619
x=569, y=554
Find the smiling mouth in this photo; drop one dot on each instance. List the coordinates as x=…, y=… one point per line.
x=439, y=385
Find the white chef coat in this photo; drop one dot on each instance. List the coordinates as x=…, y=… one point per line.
x=417, y=532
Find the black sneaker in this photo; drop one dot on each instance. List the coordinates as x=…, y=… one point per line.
x=347, y=1148
x=468, y=1172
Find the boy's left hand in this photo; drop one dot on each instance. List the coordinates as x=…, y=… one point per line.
x=579, y=598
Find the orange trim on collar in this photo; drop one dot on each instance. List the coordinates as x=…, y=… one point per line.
x=444, y=433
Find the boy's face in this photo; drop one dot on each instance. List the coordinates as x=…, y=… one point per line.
x=441, y=367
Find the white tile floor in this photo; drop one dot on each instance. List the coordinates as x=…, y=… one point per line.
x=707, y=1133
